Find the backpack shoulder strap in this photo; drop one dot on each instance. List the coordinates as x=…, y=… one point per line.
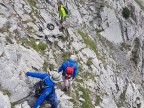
x=68, y=63
x=74, y=65
x=44, y=82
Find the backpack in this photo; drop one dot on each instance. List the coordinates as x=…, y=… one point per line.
x=66, y=9
x=69, y=71
x=39, y=87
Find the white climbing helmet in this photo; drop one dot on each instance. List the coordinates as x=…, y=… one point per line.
x=73, y=57
x=56, y=77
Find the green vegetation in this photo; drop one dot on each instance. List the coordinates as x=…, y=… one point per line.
x=6, y=92
x=77, y=2
x=8, y=39
x=121, y=99
x=135, y=57
x=4, y=29
x=88, y=41
x=82, y=1
x=79, y=71
x=45, y=65
x=117, y=66
x=80, y=68
x=66, y=55
x=29, y=29
x=85, y=95
x=87, y=103
x=78, y=80
x=98, y=100
x=124, y=46
x=56, y=58
x=36, y=13
x=51, y=67
x=126, y=12
x=9, y=36
x=91, y=44
x=32, y=2
x=106, y=45
x=75, y=95
x=12, y=105
x=139, y=2
x=42, y=46
x=104, y=41
x=89, y=75
x=89, y=62
x=27, y=21
x=64, y=38
x=35, y=44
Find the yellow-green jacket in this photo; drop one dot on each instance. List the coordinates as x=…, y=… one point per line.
x=62, y=12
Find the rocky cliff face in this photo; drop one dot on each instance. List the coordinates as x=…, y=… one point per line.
x=107, y=40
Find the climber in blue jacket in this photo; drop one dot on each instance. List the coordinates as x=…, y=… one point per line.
x=71, y=62
x=49, y=92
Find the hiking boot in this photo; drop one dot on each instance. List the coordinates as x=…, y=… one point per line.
x=65, y=89
x=61, y=29
x=69, y=87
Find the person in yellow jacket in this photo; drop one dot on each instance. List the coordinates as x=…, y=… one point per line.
x=62, y=14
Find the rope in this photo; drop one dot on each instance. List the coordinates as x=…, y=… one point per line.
x=23, y=99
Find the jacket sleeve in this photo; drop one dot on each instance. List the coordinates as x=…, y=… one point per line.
x=45, y=93
x=62, y=67
x=75, y=71
x=37, y=74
